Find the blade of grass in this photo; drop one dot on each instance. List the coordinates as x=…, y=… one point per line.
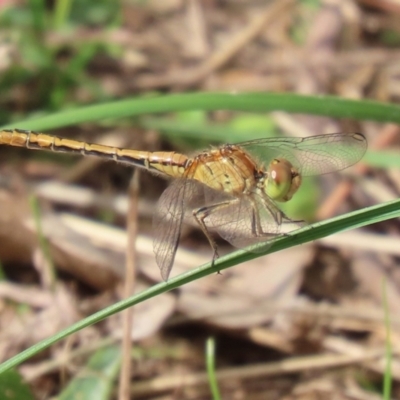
x=96, y=379
x=210, y=361
x=352, y=220
x=208, y=132
x=382, y=159
x=62, y=9
x=255, y=102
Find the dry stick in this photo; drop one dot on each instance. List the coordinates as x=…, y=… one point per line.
x=388, y=135
x=286, y=60
x=196, y=44
x=293, y=365
x=220, y=57
x=346, y=346
x=130, y=275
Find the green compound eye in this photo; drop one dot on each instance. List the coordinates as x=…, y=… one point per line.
x=283, y=180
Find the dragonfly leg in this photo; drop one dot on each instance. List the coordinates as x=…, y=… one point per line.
x=279, y=216
x=256, y=228
x=200, y=214
x=276, y=214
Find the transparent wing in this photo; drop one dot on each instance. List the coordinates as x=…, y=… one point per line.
x=176, y=201
x=312, y=155
x=236, y=220
x=167, y=223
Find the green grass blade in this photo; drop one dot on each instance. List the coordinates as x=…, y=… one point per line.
x=254, y=102
x=96, y=379
x=210, y=361
x=316, y=231
x=62, y=10
x=382, y=159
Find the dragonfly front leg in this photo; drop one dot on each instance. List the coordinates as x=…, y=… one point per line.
x=200, y=214
x=276, y=214
x=256, y=228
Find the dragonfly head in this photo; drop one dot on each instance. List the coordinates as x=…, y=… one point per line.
x=283, y=180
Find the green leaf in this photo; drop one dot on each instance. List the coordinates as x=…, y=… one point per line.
x=12, y=387
x=95, y=381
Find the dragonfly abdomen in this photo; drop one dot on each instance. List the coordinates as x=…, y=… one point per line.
x=41, y=141
x=167, y=163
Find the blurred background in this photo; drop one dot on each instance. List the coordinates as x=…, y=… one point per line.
x=304, y=323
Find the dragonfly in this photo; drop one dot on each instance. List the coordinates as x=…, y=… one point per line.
x=233, y=189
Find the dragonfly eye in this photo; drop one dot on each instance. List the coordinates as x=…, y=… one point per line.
x=283, y=180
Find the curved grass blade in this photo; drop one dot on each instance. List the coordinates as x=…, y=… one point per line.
x=316, y=231
x=334, y=107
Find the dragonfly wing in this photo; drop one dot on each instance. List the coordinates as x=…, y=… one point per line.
x=312, y=155
x=174, y=203
x=236, y=221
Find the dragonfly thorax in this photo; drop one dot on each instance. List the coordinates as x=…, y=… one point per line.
x=283, y=180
